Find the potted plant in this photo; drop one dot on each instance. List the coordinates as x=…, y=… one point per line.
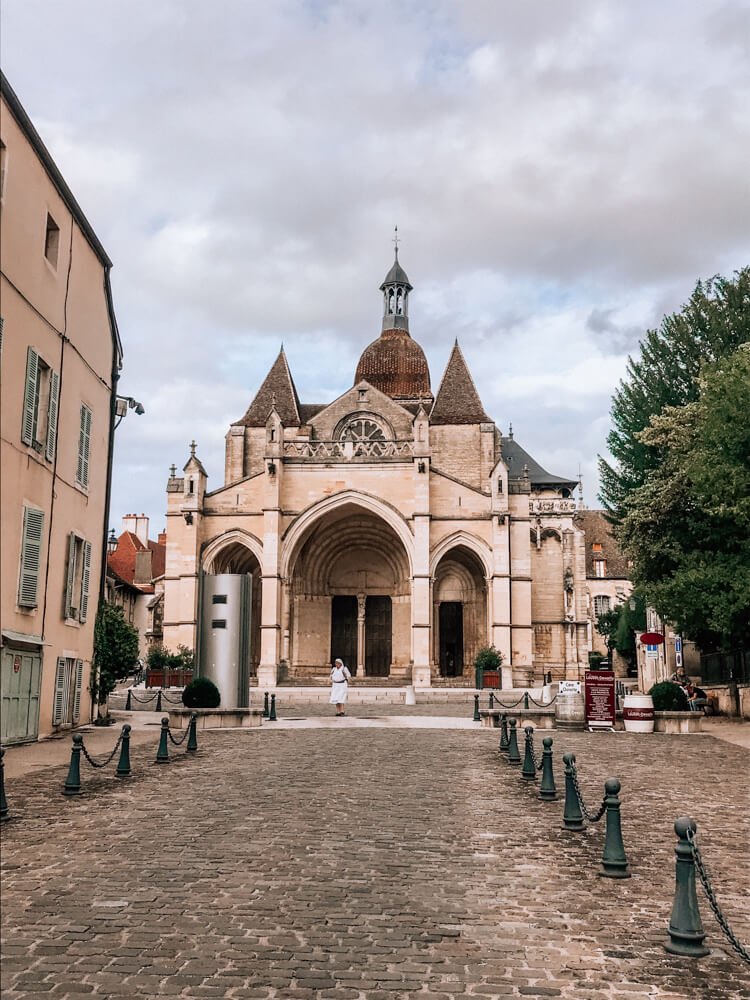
x=487, y=665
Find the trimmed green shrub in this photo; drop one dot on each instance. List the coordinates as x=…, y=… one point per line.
x=488, y=658
x=201, y=693
x=669, y=697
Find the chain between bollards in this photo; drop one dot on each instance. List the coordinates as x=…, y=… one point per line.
x=504, y=741
x=3, y=801
x=514, y=757
x=272, y=713
x=528, y=771
x=162, y=754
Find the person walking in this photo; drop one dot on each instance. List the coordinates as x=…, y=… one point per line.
x=340, y=678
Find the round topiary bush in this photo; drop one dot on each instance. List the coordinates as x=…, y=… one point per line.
x=201, y=693
x=669, y=697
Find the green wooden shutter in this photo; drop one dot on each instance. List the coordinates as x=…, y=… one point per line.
x=58, y=707
x=70, y=580
x=28, y=423
x=84, y=444
x=54, y=398
x=83, y=607
x=77, y=691
x=31, y=551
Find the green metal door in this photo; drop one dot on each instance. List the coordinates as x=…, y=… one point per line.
x=20, y=678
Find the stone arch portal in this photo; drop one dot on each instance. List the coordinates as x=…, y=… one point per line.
x=235, y=554
x=348, y=594
x=459, y=617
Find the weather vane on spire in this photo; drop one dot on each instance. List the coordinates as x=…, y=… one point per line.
x=395, y=240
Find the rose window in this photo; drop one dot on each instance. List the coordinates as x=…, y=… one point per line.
x=362, y=429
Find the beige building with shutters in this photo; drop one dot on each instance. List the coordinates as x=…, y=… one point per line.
x=395, y=527
x=59, y=362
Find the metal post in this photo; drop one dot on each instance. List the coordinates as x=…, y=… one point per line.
x=129, y=702
x=73, y=781
x=272, y=713
x=123, y=764
x=514, y=757
x=492, y=701
x=158, y=702
x=686, y=932
x=192, y=743
x=572, y=815
x=528, y=771
x=547, y=790
x=3, y=801
x=614, y=862
x=476, y=717
x=526, y=701
x=265, y=705
x=162, y=754
x=504, y=741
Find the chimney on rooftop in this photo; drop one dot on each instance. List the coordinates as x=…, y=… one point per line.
x=138, y=524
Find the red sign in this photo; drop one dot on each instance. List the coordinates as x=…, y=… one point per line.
x=600, y=698
x=652, y=638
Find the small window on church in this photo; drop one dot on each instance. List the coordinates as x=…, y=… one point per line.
x=190, y=487
x=499, y=486
x=273, y=434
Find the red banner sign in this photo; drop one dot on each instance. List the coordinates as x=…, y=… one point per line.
x=652, y=638
x=600, y=698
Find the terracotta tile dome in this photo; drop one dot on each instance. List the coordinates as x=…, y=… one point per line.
x=395, y=364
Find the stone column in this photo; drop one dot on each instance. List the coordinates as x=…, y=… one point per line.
x=270, y=619
x=361, y=604
x=420, y=603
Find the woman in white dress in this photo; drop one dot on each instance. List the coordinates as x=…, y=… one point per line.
x=340, y=678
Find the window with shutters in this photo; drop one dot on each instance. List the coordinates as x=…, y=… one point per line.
x=84, y=445
x=31, y=557
x=601, y=605
x=66, y=709
x=41, y=400
x=78, y=578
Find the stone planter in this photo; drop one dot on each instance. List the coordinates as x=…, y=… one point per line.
x=677, y=722
x=216, y=718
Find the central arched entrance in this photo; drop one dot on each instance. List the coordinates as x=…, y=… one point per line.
x=459, y=612
x=349, y=592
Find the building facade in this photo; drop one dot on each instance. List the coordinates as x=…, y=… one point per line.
x=135, y=579
x=60, y=359
x=394, y=527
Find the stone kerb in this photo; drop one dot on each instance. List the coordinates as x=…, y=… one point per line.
x=216, y=718
x=540, y=718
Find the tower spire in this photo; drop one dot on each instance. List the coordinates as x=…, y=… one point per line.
x=395, y=289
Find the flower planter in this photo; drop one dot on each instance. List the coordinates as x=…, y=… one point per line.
x=677, y=722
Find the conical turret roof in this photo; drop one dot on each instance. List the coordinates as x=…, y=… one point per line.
x=278, y=389
x=458, y=401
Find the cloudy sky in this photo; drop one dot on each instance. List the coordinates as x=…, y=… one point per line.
x=561, y=174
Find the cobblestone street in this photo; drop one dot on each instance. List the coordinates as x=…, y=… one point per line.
x=309, y=863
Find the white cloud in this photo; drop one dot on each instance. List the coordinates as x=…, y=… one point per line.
x=561, y=175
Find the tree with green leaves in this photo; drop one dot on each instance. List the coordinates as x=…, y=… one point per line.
x=115, y=651
x=686, y=527
x=712, y=325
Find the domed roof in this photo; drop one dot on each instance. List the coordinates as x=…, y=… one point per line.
x=395, y=364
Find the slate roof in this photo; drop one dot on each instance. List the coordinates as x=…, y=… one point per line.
x=396, y=276
x=516, y=457
x=277, y=390
x=457, y=401
x=308, y=410
x=599, y=531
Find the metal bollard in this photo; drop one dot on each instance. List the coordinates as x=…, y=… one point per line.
x=162, y=754
x=272, y=713
x=476, y=717
x=3, y=801
x=129, y=702
x=614, y=862
x=158, y=702
x=192, y=743
x=514, y=757
x=265, y=705
x=73, y=781
x=491, y=701
x=528, y=771
x=123, y=764
x=686, y=934
x=572, y=815
x=547, y=790
x=504, y=741
x=526, y=701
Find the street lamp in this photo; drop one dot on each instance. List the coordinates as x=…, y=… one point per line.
x=111, y=541
x=125, y=403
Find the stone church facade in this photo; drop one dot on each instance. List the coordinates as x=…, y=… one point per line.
x=394, y=527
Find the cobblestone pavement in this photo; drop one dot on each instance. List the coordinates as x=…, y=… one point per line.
x=367, y=862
